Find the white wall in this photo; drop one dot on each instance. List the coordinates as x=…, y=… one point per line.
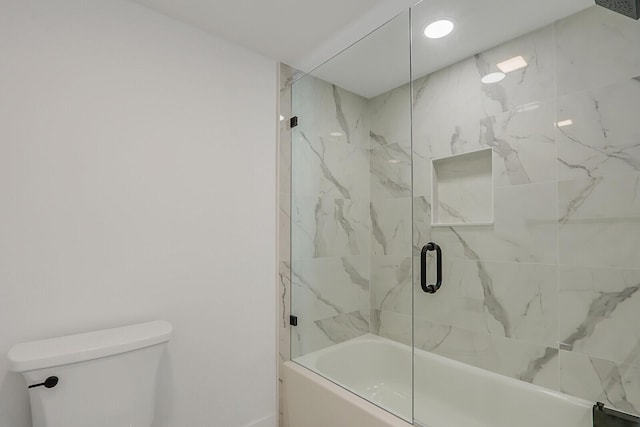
x=137, y=181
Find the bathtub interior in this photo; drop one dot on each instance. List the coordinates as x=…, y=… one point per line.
x=381, y=374
x=446, y=393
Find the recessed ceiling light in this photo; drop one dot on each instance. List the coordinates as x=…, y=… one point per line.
x=564, y=123
x=281, y=117
x=512, y=64
x=336, y=134
x=438, y=29
x=493, y=77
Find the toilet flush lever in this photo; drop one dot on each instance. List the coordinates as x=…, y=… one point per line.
x=50, y=382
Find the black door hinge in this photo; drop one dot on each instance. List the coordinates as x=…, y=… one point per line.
x=293, y=121
x=293, y=320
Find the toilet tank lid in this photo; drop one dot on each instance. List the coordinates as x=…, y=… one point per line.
x=87, y=346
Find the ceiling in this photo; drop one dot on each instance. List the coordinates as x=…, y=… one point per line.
x=305, y=33
x=379, y=62
x=285, y=30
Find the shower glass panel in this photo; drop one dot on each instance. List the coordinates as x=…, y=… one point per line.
x=510, y=147
x=525, y=163
x=351, y=258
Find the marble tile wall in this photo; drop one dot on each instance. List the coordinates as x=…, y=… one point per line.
x=389, y=116
x=549, y=293
x=598, y=207
x=330, y=220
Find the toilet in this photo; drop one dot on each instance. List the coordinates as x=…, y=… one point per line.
x=104, y=378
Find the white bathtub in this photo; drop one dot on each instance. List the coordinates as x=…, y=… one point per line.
x=447, y=393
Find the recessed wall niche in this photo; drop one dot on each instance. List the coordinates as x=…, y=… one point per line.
x=462, y=189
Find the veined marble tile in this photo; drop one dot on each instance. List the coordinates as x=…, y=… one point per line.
x=600, y=313
x=442, y=124
x=390, y=171
x=345, y=326
x=611, y=197
x=389, y=118
x=391, y=279
x=284, y=158
x=324, y=168
x=330, y=145
x=310, y=335
x=505, y=356
x=605, y=135
x=450, y=104
x=524, y=144
x=533, y=83
x=595, y=48
x=599, y=380
x=421, y=223
x=421, y=175
x=288, y=75
x=284, y=226
x=374, y=321
x=324, y=109
x=511, y=300
x=313, y=335
x=600, y=221
x=463, y=189
x=391, y=227
x=525, y=228
x=394, y=326
x=326, y=227
x=447, y=111
x=284, y=218
x=284, y=141
x=325, y=287
x=284, y=306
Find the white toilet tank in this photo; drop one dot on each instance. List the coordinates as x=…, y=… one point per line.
x=104, y=379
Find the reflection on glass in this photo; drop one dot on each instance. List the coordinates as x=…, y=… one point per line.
x=524, y=296
x=351, y=219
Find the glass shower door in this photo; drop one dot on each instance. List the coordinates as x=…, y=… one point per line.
x=525, y=170
x=510, y=146
x=485, y=193
x=351, y=263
